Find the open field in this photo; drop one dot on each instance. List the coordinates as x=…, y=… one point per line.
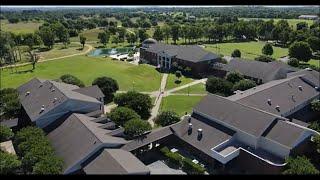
x=87, y=69
x=172, y=78
x=20, y=27
x=195, y=89
x=90, y=34
x=179, y=104
x=249, y=50
x=59, y=51
x=292, y=22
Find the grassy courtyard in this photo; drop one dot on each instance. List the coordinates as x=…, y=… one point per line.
x=171, y=81
x=87, y=69
x=195, y=89
x=249, y=50
x=20, y=27
x=179, y=104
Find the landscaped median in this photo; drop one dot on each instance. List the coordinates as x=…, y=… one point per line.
x=181, y=162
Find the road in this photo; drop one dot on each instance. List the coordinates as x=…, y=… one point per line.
x=90, y=47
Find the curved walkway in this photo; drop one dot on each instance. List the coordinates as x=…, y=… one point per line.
x=90, y=47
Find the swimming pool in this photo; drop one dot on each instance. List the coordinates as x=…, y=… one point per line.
x=109, y=51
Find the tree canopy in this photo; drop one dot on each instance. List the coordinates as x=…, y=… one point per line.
x=9, y=103
x=267, y=49
x=166, y=118
x=136, y=127
x=9, y=163
x=219, y=86
x=236, y=53
x=121, y=115
x=234, y=77
x=5, y=133
x=299, y=165
x=70, y=79
x=301, y=51
x=244, y=84
x=108, y=86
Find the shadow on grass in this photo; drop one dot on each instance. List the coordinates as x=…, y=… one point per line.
x=23, y=72
x=177, y=81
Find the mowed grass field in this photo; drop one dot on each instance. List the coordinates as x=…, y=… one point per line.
x=179, y=104
x=59, y=51
x=144, y=77
x=172, y=84
x=249, y=50
x=90, y=34
x=292, y=22
x=194, y=89
x=20, y=27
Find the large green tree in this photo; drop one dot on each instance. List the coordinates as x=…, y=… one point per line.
x=234, y=77
x=108, y=86
x=5, y=133
x=9, y=163
x=9, y=103
x=175, y=29
x=267, y=49
x=299, y=165
x=103, y=37
x=158, y=34
x=136, y=127
x=166, y=118
x=121, y=115
x=244, y=84
x=314, y=43
x=301, y=51
x=219, y=86
x=82, y=40
x=47, y=36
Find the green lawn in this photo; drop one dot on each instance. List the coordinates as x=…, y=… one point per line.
x=179, y=104
x=59, y=51
x=292, y=22
x=195, y=89
x=315, y=62
x=20, y=27
x=90, y=34
x=87, y=69
x=172, y=84
x=249, y=50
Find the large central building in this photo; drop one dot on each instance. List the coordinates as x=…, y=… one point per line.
x=164, y=55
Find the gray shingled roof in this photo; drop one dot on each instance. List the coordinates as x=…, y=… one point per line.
x=234, y=114
x=92, y=91
x=311, y=75
x=191, y=53
x=116, y=161
x=285, y=133
x=78, y=136
x=261, y=70
x=43, y=92
x=285, y=94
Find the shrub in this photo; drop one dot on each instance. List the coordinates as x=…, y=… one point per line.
x=9, y=103
x=166, y=118
x=315, y=105
x=136, y=127
x=219, y=86
x=108, y=86
x=267, y=49
x=5, y=133
x=244, y=85
x=315, y=125
x=9, y=163
x=120, y=115
x=191, y=168
x=316, y=140
x=49, y=165
x=236, y=53
x=264, y=58
x=301, y=51
x=70, y=79
x=294, y=62
x=234, y=77
x=173, y=158
x=299, y=165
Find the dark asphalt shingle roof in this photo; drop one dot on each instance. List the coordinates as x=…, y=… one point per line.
x=116, y=161
x=234, y=114
x=261, y=70
x=78, y=136
x=92, y=91
x=191, y=53
x=310, y=75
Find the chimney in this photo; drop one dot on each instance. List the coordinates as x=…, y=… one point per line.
x=190, y=126
x=300, y=88
x=269, y=101
x=27, y=93
x=199, y=132
x=278, y=108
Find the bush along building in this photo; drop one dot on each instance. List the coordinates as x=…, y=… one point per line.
x=192, y=59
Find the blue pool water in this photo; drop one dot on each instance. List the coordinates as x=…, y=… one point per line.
x=109, y=51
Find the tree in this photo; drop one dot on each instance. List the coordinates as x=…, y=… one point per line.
x=31, y=39
x=315, y=125
x=140, y=103
x=70, y=79
x=121, y=115
x=178, y=74
x=314, y=43
x=301, y=51
x=142, y=35
x=264, y=58
x=9, y=103
x=47, y=36
x=132, y=38
x=166, y=118
x=315, y=105
x=219, y=86
x=299, y=165
x=302, y=25
x=166, y=32
x=244, y=84
x=267, y=49
x=236, y=53
x=83, y=40
x=108, y=86
x=136, y=127
x=294, y=62
x=104, y=38
x=158, y=34
x=234, y=77
x=5, y=133
x=115, y=39
x=48, y=165
x=9, y=163
x=175, y=29
x=65, y=37
x=316, y=140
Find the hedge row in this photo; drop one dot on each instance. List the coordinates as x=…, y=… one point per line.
x=185, y=163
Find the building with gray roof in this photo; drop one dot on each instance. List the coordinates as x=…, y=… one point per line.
x=44, y=101
x=164, y=55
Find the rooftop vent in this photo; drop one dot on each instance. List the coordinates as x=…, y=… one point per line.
x=199, y=134
x=53, y=90
x=190, y=125
x=55, y=99
x=40, y=85
x=27, y=93
x=269, y=101
x=189, y=119
x=308, y=69
x=316, y=87
x=278, y=108
x=42, y=109
x=300, y=88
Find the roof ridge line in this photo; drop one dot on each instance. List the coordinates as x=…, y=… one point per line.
x=75, y=114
